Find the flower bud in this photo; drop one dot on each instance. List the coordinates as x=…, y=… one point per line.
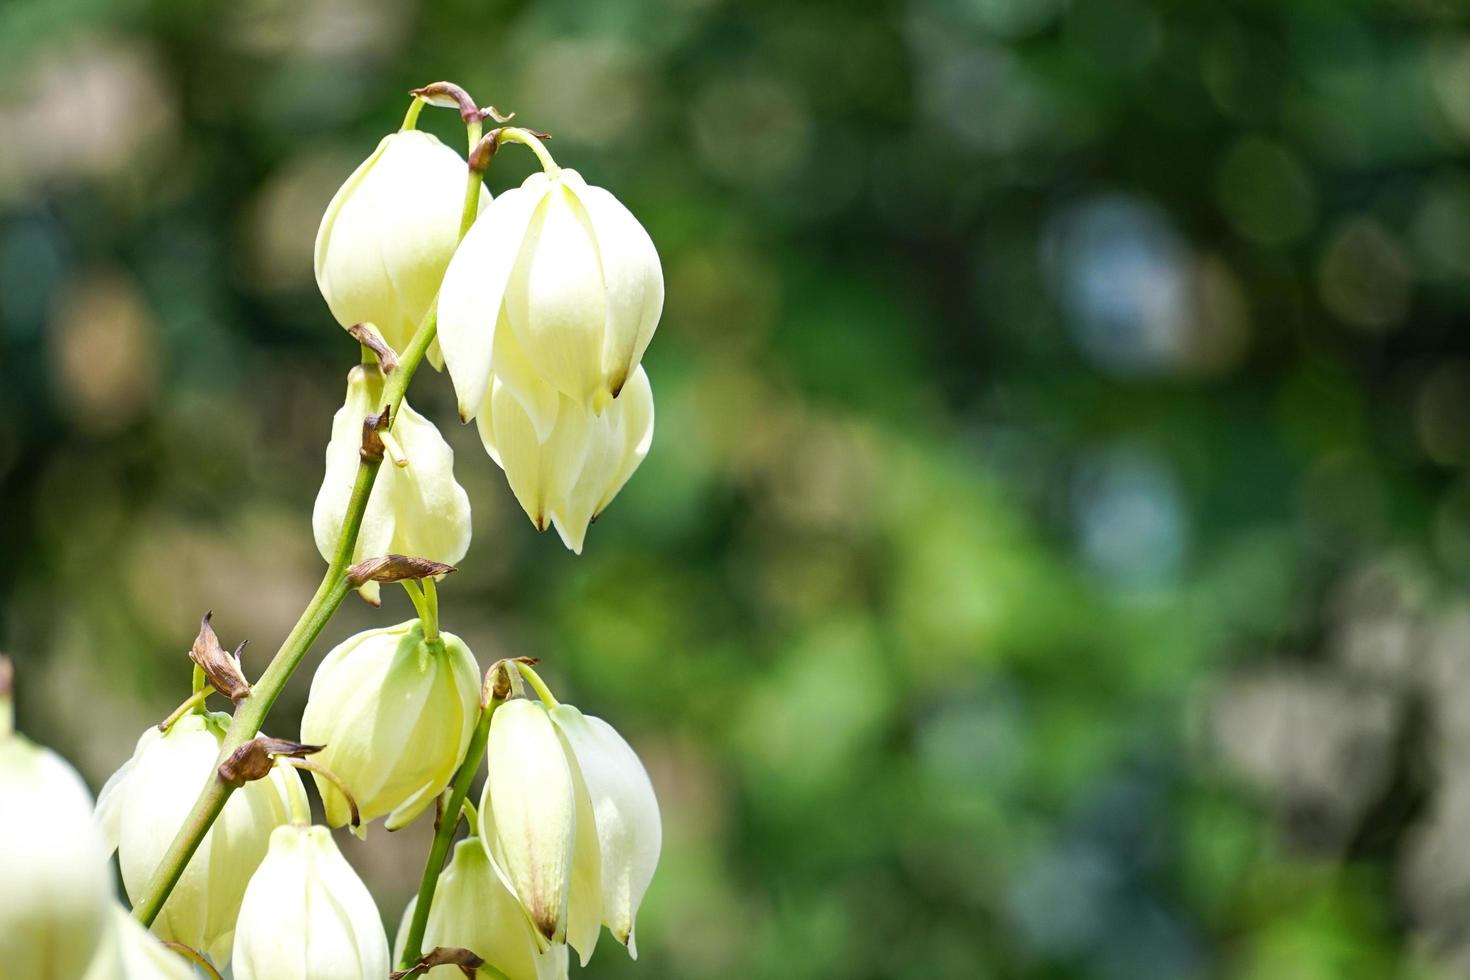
x=528, y=813
x=55, y=886
x=474, y=910
x=624, y=813
x=144, y=804
x=395, y=712
x=570, y=476
x=569, y=274
x=307, y=915
x=389, y=232
x=416, y=507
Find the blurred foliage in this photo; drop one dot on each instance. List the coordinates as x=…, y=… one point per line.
x=1049, y=560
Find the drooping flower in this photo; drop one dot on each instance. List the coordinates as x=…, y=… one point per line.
x=145, y=802
x=389, y=233
x=474, y=910
x=395, y=712
x=55, y=886
x=307, y=915
x=569, y=816
x=557, y=274
x=570, y=476
x=416, y=507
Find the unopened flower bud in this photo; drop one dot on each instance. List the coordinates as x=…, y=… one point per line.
x=572, y=276
x=307, y=915
x=569, y=477
x=389, y=232
x=474, y=910
x=395, y=712
x=55, y=886
x=416, y=507
x=144, y=804
x=528, y=813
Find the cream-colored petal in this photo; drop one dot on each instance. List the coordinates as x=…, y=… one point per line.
x=364, y=389
x=531, y=798
x=635, y=409
x=431, y=510
x=584, y=908
x=629, y=828
x=632, y=277
x=540, y=400
x=473, y=288
x=573, y=511
x=555, y=298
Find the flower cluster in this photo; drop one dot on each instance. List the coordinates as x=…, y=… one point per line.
x=540, y=303
x=545, y=310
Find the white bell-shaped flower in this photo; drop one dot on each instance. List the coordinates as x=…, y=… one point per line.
x=145, y=802
x=574, y=827
x=395, y=712
x=624, y=814
x=569, y=476
x=568, y=272
x=416, y=507
x=55, y=885
x=473, y=909
x=389, y=233
x=308, y=916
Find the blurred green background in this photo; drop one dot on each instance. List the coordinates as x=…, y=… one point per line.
x=1050, y=561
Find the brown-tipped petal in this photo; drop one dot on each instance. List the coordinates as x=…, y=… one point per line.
x=222, y=668
x=395, y=568
x=255, y=759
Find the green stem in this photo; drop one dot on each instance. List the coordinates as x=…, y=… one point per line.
x=534, y=679
x=250, y=713
x=193, y=702
x=514, y=134
x=430, y=616
x=411, y=117
x=416, y=596
x=444, y=836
